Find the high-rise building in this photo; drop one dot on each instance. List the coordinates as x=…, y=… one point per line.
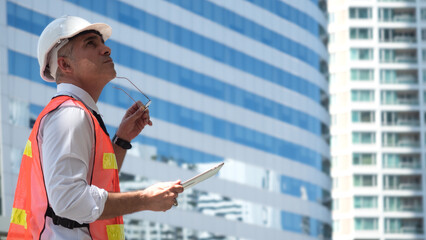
x=244, y=82
x=377, y=95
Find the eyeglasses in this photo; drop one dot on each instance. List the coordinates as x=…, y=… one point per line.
x=145, y=104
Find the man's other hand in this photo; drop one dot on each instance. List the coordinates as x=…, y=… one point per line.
x=134, y=121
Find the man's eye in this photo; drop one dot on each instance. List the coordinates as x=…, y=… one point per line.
x=90, y=43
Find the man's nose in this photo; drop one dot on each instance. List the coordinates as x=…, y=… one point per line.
x=106, y=50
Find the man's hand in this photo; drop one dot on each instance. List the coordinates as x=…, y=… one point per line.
x=135, y=119
x=158, y=197
x=161, y=196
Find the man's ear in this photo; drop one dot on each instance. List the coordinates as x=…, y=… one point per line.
x=64, y=65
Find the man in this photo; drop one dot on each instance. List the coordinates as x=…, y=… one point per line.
x=68, y=183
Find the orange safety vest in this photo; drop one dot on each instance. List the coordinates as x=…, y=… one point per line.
x=30, y=205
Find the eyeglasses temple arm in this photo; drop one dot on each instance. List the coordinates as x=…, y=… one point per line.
x=134, y=86
x=139, y=104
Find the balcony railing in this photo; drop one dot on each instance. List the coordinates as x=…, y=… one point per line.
x=404, y=186
x=405, y=59
x=412, y=165
x=405, y=208
x=407, y=78
x=411, y=229
x=408, y=101
x=407, y=143
x=409, y=186
x=406, y=229
x=403, y=18
x=405, y=165
x=403, y=101
x=411, y=123
x=401, y=79
x=404, y=122
x=404, y=38
x=410, y=208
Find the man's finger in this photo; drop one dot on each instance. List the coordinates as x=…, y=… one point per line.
x=177, y=187
x=135, y=106
x=138, y=113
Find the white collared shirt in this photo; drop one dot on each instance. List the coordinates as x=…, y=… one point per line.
x=66, y=143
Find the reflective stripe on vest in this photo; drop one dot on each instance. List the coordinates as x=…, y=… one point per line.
x=115, y=232
x=30, y=203
x=19, y=216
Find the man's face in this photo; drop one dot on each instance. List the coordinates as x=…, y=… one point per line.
x=91, y=61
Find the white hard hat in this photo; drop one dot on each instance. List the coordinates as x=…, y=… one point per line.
x=56, y=35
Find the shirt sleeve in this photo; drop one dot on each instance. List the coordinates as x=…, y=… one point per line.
x=67, y=147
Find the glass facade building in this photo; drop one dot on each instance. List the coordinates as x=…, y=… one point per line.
x=242, y=82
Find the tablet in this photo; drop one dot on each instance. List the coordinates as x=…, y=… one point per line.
x=202, y=176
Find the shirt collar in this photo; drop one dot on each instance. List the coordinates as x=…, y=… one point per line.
x=78, y=93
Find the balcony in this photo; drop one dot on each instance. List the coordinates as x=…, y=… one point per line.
x=401, y=161
x=323, y=35
x=324, y=99
x=325, y=165
x=398, y=56
x=389, y=76
x=403, y=204
x=325, y=133
x=402, y=182
x=405, y=35
x=411, y=119
x=322, y=4
x=404, y=226
x=324, y=68
x=405, y=15
x=389, y=97
x=401, y=140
